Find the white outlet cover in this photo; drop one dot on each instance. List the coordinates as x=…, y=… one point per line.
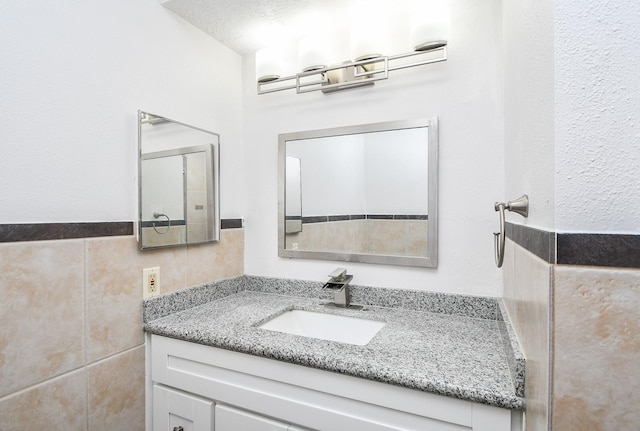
x=146, y=274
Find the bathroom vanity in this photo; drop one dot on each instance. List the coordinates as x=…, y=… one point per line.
x=439, y=362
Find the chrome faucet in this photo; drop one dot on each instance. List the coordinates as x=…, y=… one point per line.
x=339, y=283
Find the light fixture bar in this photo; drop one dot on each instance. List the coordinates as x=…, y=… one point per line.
x=350, y=74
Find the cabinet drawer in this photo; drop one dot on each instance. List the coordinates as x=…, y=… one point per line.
x=232, y=419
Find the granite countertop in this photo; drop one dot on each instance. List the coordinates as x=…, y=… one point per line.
x=454, y=355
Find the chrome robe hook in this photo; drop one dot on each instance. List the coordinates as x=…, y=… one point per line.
x=520, y=206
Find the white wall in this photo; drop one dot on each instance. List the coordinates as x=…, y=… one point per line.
x=597, y=84
x=74, y=74
x=465, y=93
x=396, y=171
x=332, y=174
x=529, y=109
x=572, y=113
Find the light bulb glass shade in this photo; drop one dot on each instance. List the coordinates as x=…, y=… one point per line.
x=269, y=64
x=368, y=39
x=430, y=24
x=313, y=53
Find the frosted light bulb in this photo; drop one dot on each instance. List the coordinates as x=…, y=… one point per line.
x=269, y=64
x=430, y=24
x=313, y=53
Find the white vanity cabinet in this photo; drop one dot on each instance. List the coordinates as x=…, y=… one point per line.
x=232, y=419
x=222, y=390
x=180, y=411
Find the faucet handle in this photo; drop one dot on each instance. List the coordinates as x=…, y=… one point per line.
x=338, y=274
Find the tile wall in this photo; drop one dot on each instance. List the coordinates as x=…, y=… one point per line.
x=393, y=237
x=527, y=287
x=578, y=325
x=71, y=339
x=596, y=348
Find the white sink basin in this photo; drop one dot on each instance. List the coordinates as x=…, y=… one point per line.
x=325, y=326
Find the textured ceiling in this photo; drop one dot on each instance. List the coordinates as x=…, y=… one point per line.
x=246, y=25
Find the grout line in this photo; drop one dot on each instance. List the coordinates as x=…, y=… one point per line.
x=43, y=382
x=113, y=355
x=85, y=330
x=550, y=335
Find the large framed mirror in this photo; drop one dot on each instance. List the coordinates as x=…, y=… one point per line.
x=366, y=193
x=178, y=192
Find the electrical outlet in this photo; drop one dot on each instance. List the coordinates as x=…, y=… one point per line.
x=150, y=281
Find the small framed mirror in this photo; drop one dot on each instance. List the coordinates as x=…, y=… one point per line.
x=364, y=193
x=178, y=192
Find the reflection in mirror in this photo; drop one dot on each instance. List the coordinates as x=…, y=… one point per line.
x=294, y=196
x=366, y=193
x=178, y=186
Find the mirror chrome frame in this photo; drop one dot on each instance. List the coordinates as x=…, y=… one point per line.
x=431, y=260
x=212, y=152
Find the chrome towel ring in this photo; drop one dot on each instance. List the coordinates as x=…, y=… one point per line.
x=158, y=215
x=520, y=206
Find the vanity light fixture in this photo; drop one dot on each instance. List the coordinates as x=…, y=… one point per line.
x=429, y=34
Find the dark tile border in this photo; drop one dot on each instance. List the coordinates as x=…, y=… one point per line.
x=339, y=217
x=346, y=217
x=51, y=231
x=379, y=216
x=617, y=250
x=230, y=223
x=163, y=223
x=314, y=219
x=539, y=242
x=585, y=249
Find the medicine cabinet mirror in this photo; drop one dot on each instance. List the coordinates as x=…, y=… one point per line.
x=364, y=193
x=178, y=171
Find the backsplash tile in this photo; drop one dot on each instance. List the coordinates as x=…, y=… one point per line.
x=41, y=311
x=114, y=293
x=71, y=307
x=463, y=305
x=596, y=347
x=214, y=261
x=117, y=403
x=58, y=404
x=163, y=305
x=527, y=280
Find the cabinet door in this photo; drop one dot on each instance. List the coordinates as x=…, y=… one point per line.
x=179, y=411
x=231, y=419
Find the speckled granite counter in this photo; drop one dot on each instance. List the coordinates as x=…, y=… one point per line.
x=464, y=350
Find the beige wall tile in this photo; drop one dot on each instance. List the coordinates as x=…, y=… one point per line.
x=58, y=404
x=41, y=311
x=172, y=235
x=218, y=260
x=116, y=392
x=173, y=267
x=69, y=303
x=114, y=296
x=596, y=349
x=526, y=296
x=393, y=237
